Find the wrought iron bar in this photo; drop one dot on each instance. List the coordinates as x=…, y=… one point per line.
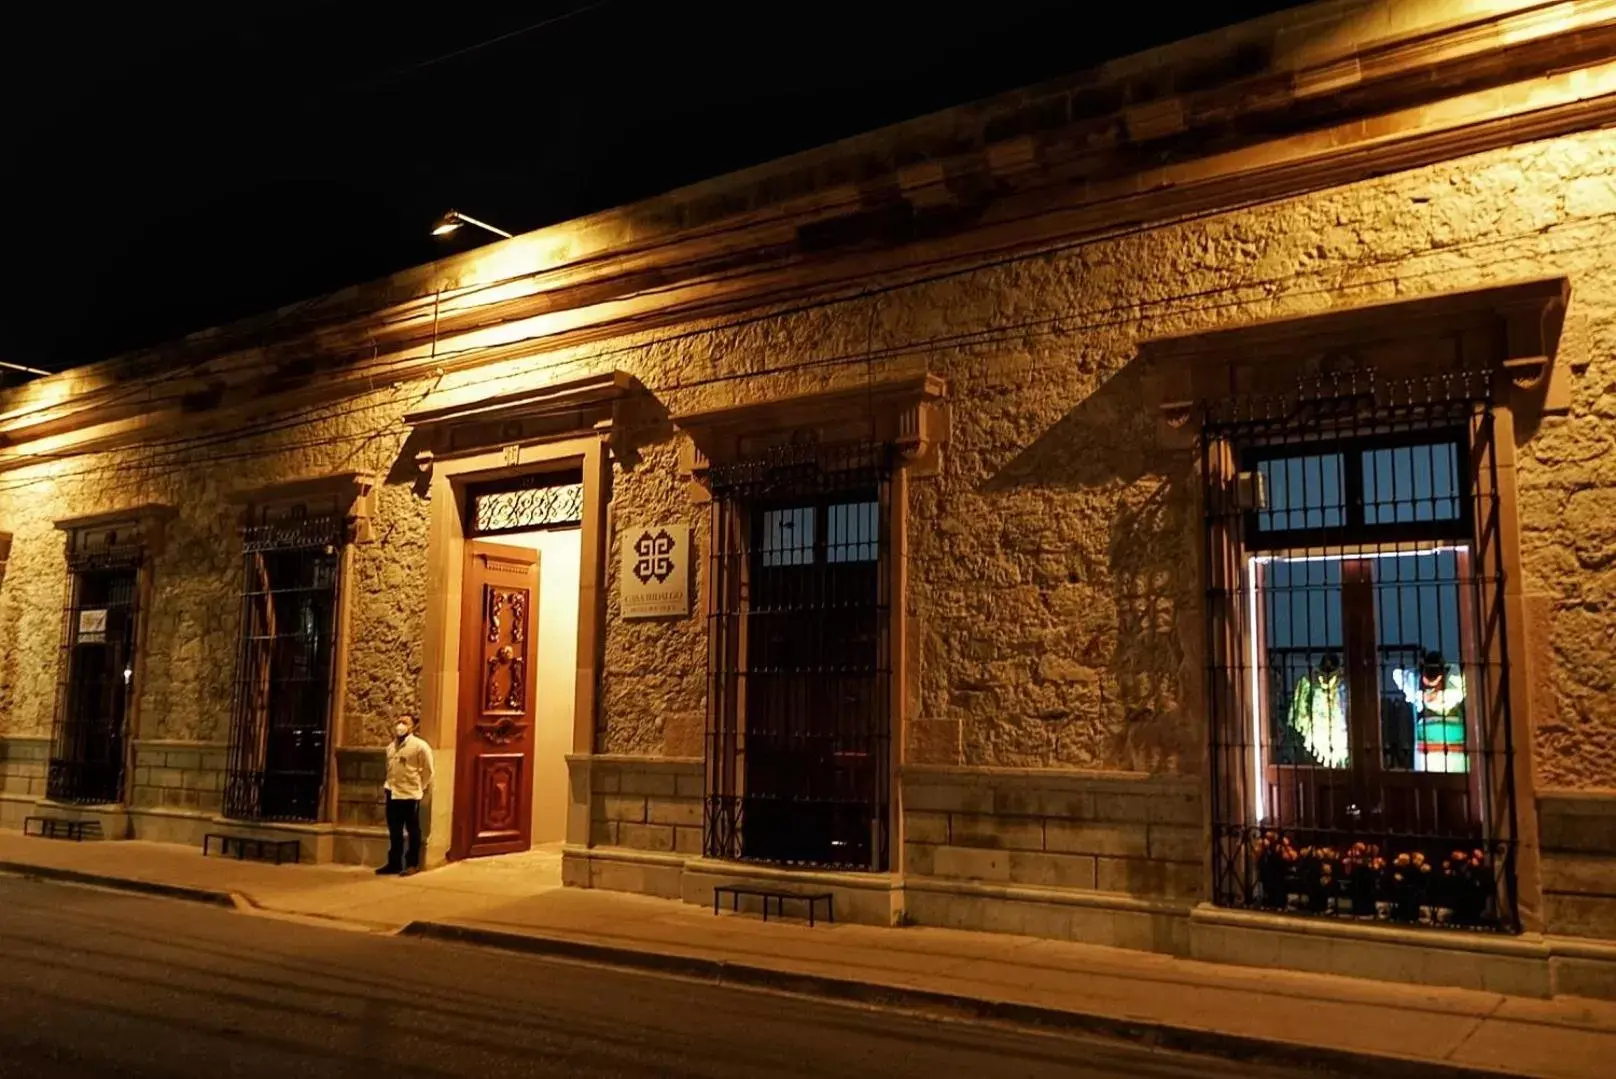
x=97, y=675
x=279, y=732
x=799, y=713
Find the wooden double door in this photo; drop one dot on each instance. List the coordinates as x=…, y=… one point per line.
x=493, y=812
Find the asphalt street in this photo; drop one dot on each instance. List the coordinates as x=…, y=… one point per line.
x=98, y=983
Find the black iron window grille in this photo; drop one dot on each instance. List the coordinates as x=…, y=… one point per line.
x=99, y=637
x=1358, y=688
x=280, y=718
x=529, y=503
x=799, y=671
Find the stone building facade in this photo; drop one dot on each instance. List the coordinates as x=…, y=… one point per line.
x=971, y=369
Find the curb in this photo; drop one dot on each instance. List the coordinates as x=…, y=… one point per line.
x=1149, y=1034
x=122, y=884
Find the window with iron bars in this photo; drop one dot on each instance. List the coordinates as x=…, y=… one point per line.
x=279, y=732
x=97, y=668
x=799, y=711
x=1361, y=744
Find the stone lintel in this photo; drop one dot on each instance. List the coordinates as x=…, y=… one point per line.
x=911, y=412
x=353, y=495
x=1524, y=318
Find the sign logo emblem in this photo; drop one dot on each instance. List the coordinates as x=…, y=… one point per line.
x=655, y=561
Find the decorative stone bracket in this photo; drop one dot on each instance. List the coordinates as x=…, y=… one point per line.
x=910, y=413
x=350, y=495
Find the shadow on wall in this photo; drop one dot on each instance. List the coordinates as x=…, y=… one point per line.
x=1127, y=502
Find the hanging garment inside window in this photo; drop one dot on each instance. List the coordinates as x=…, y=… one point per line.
x=1436, y=691
x=1319, y=713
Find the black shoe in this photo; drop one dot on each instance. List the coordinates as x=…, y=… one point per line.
x=388, y=871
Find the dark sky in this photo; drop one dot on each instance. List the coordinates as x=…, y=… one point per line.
x=168, y=170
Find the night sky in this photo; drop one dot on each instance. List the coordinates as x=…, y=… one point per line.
x=170, y=170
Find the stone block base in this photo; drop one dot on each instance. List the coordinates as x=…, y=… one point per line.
x=868, y=899
x=617, y=869
x=863, y=898
x=114, y=819
x=317, y=843
x=170, y=826
x=14, y=808
x=1530, y=965
x=1116, y=921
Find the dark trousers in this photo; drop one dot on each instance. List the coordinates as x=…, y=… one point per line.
x=403, y=815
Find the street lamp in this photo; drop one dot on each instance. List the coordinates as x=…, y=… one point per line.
x=452, y=220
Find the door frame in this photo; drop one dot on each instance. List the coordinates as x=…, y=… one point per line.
x=450, y=480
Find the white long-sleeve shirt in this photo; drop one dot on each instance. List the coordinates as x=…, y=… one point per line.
x=409, y=768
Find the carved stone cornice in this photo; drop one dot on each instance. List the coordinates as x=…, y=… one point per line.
x=144, y=525
x=350, y=495
x=1510, y=330
x=910, y=413
x=460, y=421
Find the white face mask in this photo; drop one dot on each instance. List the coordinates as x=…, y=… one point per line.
x=401, y=729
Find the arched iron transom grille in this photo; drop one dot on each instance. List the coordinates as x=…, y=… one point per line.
x=1358, y=689
x=799, y=673
x=279, y=726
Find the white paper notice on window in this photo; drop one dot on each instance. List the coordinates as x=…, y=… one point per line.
x=93, y=625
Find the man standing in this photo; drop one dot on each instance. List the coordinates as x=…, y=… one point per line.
x=409, y=777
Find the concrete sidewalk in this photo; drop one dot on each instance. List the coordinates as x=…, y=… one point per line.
x=1281, y=1017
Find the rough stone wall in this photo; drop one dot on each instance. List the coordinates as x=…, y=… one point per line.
x=1054, y=583
x=655, y=668
x=192, y=614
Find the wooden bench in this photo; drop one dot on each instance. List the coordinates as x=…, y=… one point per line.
x=245, y=846
x=813, y=899
x=61, y=828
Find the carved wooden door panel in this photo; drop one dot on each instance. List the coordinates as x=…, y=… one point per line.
x=494, y=758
